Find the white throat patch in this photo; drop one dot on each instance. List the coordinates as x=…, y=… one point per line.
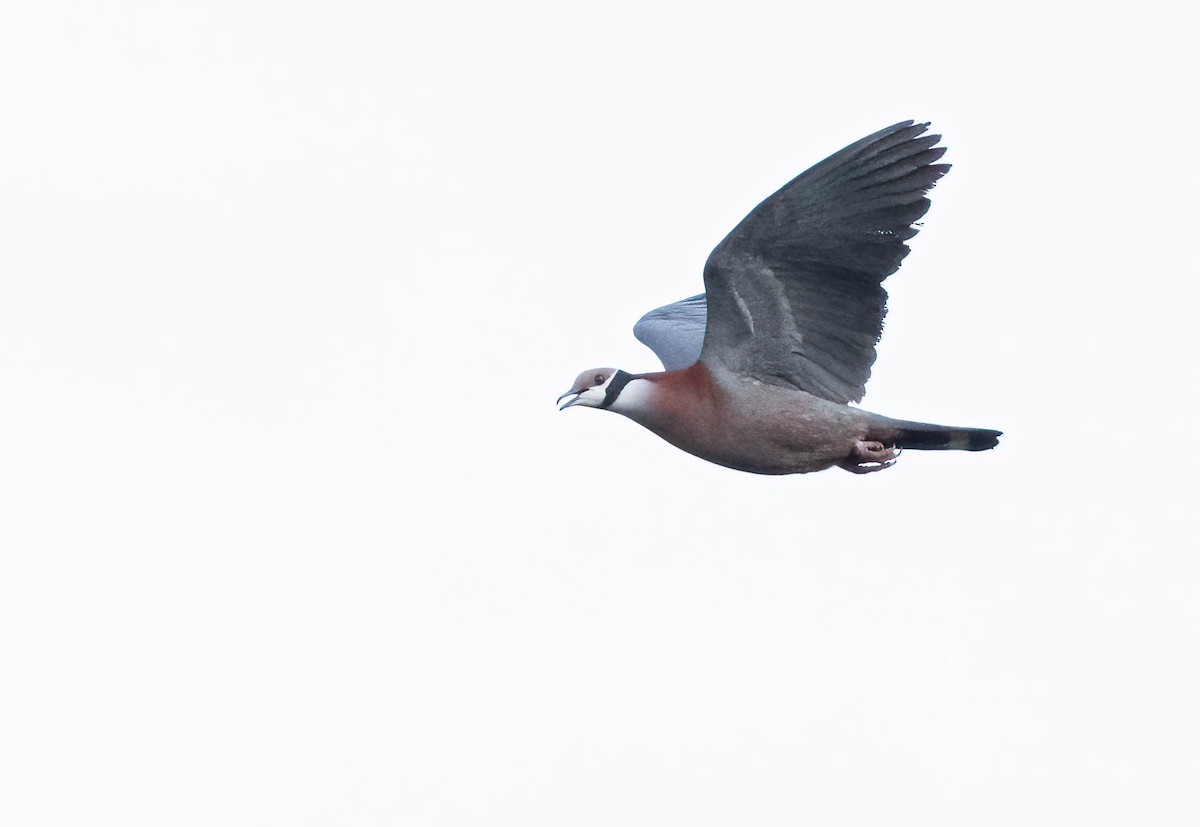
x=634, y=397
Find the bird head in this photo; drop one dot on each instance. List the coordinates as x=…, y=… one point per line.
x=592, y=388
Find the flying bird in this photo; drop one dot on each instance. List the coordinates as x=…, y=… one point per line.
x=761, y=367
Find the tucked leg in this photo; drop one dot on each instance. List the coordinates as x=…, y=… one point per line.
x=868, y=456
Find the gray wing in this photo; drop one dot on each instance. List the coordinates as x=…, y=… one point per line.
x=795, y=293
x=675, y=332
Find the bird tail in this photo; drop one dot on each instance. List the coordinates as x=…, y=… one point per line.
x=921, y=436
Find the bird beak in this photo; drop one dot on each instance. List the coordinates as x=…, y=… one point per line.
x=564, y=396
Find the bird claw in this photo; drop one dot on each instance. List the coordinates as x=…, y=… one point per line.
x=868, y=456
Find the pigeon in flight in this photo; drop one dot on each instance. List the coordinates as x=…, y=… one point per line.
x=761, y=367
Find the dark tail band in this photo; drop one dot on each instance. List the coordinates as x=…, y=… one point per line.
x=921, y=437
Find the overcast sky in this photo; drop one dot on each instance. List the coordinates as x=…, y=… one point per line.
x=293, y=534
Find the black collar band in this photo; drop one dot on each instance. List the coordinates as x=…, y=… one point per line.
x=619, y=381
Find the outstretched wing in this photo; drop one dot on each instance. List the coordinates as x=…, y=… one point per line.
x=795, y=293
x=675, y=332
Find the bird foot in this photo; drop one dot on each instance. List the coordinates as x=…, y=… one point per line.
x=868, y=456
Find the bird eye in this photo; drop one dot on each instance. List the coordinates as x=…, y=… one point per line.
x=599, y=378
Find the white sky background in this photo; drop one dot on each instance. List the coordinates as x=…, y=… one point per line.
x=293, y=533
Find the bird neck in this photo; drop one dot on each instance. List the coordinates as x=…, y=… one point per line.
x=615, y=386
x=658, y=399
x=627, y=394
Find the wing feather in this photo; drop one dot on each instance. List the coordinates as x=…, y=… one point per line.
x=675, y=332
x=794, y=293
